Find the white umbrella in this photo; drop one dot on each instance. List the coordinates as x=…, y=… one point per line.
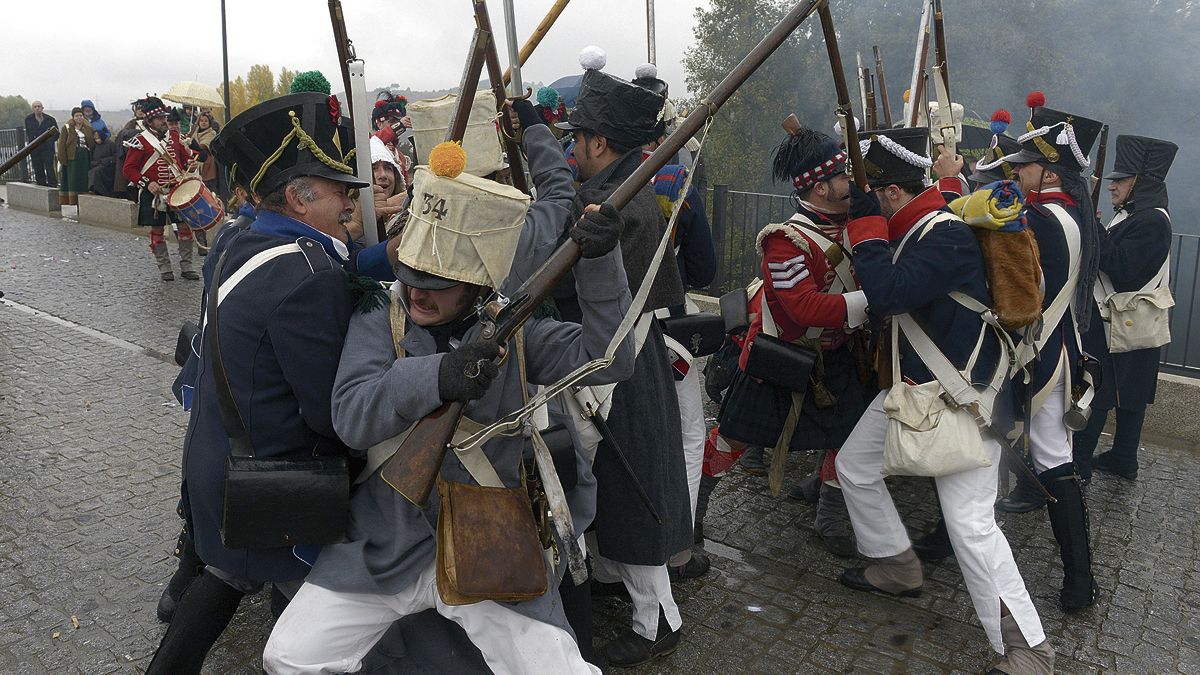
x=195, y=93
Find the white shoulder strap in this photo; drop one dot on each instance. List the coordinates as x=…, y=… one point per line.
x=924, y=226
x=832, y=251
x=1061, y=304
x=957, y=387
x=256, y=261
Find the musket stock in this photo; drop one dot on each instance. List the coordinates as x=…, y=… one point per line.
x=872, y=111
x=46, y=135
x=853, y=151
x=414, y=467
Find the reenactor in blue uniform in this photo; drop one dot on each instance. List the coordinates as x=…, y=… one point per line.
x=1059, y=211
x=1134, y=255
x=910, y=253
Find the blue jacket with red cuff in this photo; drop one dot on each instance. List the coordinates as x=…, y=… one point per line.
x=943, y=258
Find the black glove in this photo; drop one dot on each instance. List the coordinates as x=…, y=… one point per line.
x=863, y=204
x=526, y=114
x=598, y=232
x=466, y=373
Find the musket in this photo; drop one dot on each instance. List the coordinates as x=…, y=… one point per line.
x=872, y=113
x=883, y=92
x=916, y=87
x=476, y=57
x=939, y=43
x=492, y=59
x=535, y=38
x=345, y=49
x=844, y=112
x=941, y=85
x=861, y=74
x=46, y=135
x=414, y=468
x=1101, y=153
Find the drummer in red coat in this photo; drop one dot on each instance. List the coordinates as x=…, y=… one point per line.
x=154, y=161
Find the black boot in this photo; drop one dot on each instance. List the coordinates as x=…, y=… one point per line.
x=1083, y=444
x=577, y=606
x=707, y=485
x=832, y=522
x=201, y=617
x=935, y=545
x=1069, y=522
x=1025, y=497
x=752, y=461
x=808, y=490
x=630, y=649
x=190, y=567
x=1122, y=459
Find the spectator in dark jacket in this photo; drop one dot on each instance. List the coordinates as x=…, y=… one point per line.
x=36, y=124
x=104, y=167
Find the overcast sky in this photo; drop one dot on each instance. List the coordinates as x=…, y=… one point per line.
x=114, y=52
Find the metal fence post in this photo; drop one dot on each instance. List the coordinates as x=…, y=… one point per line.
x=720, y=213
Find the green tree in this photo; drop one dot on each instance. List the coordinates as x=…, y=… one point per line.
x=260, y=84
x=285, y=81
x=13, y=110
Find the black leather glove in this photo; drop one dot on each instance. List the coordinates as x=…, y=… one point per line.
x=598, y=232
x=526, y=114
x=466, y=373
x=863, y=204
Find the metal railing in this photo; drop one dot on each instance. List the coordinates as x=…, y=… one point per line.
x=736, y=218
x=12, y=140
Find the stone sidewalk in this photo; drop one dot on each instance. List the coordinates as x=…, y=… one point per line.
x=90, y=439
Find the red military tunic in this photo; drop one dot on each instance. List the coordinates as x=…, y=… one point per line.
x=796, y=283
x=144, y=164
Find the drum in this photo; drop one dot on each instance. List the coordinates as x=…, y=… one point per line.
x=196, y=205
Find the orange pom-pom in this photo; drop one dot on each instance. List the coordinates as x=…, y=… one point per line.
x=906, y=94
x=448, y=159
x=1035, y=99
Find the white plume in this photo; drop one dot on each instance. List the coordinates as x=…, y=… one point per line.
x=647, y=71
x=592, y=57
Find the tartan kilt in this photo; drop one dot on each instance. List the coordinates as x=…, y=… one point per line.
x=754, y=412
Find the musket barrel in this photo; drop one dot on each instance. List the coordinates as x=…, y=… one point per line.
x=46, y=135
x=853, y=151
x=535, y=38
x=413, y=469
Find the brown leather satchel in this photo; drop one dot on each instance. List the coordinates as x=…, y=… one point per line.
x=487, y=545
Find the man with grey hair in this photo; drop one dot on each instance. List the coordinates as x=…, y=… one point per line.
x=280, y=332
x=37, y=123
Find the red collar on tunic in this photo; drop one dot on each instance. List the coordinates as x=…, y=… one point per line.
x=1048, y=195
x=902, y=221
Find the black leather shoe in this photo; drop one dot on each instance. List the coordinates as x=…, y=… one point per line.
x=631, y=649
x=935, y=545
x=1017, y=503
x=166, y=606
x=807, y=490
x=856, y=578
x=1108, y=464
x=1073, y=601
x=841, y=545
x=694, y=568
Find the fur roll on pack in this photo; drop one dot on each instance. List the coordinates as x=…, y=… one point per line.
x=1014, y=275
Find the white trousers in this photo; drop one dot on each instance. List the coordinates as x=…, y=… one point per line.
x=967, y=500
x=1049, y=438
x=324, y=631
x=691, y=418
x=649, y=589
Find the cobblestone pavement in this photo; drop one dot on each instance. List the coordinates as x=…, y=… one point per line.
x=89, y=441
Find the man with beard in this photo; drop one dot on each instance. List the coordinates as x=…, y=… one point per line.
x=611, y=122
x=1134, y=252
x=1059, y=211
x=812, y=299
x=153, y=160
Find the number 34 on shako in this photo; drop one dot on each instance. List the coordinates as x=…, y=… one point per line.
x=435, y=205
